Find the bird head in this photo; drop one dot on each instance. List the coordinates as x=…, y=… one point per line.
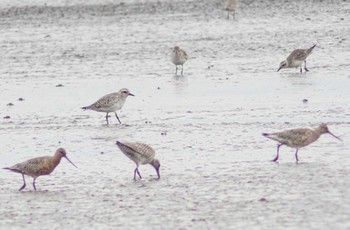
x=125, y=92
x=156, y=165
x=61, y=152
x=282, y=65
x=324, y=129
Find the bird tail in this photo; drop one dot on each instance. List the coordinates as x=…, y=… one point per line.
x=86, y=107
x=311, y=48
x=13, y=170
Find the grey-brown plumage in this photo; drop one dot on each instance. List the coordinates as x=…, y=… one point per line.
x=110, y=103
x=298, y=138
x=140, y=154
x=230, y=7
x=39, y=166
x=178, y=57
x=296, y=59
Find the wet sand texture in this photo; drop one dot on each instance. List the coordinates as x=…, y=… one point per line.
x=205, y=126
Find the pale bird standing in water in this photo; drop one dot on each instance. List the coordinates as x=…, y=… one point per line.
x=298, y=138
x=230, y=7
x=296, y=59
x=110, y=103
x=140, y=154
x=178, y=57
x=39, y=166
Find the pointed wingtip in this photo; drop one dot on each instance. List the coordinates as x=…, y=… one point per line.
x=265, y=134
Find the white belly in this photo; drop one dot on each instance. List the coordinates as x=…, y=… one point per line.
x=296, y=63
x=112, y=108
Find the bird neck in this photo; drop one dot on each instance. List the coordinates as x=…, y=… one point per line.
x=56, y=159
x=153, y=163
x=318, y=132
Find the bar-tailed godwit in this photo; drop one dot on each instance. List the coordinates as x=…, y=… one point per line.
x=110, y=103
x=296, y=59
x=140, y=154
x=298, y=138
x=39, y=166
x=178, y=57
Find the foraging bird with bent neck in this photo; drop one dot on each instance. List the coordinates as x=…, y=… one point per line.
x=139, y=153
x=39, y=166
x=296, y=59
x=298, y=138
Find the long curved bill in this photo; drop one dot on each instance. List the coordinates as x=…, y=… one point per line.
x=70, y=161
x=335, y=136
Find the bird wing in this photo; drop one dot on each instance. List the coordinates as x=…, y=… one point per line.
x=142, y=149
x=185, y=54
x=298, y=54
x=35, y=166
x=106, y=101
x=292, y=137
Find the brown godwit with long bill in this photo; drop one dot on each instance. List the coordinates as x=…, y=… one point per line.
x=141, y=154
x=298, y=138
x=39, y=166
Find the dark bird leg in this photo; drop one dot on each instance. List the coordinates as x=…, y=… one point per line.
x=117, y=117
x=278, y=151
x=135, y=173
x=138, y=172
x=296, y=155
x=301, y=69
x=234, y=15
x=228, y=14
x=175, y=69
x=107, y=118
x=305, y=66
x=24, y=183
x=182, y=70
x=34, y=184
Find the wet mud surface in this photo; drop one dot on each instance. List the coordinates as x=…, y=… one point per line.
x=205, y=126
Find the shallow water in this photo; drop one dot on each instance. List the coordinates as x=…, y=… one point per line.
x=205, y=126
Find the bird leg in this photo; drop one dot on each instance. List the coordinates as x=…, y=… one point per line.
x=138, y=172
x=296, y=155
x=301, y=69
x=305, y=66
x=117, y=117
x=135, y=173
x=175, y=69
x=182, y=70
x=278, y=151
x=34, y=184
x=107, y=118
x=24, y=183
